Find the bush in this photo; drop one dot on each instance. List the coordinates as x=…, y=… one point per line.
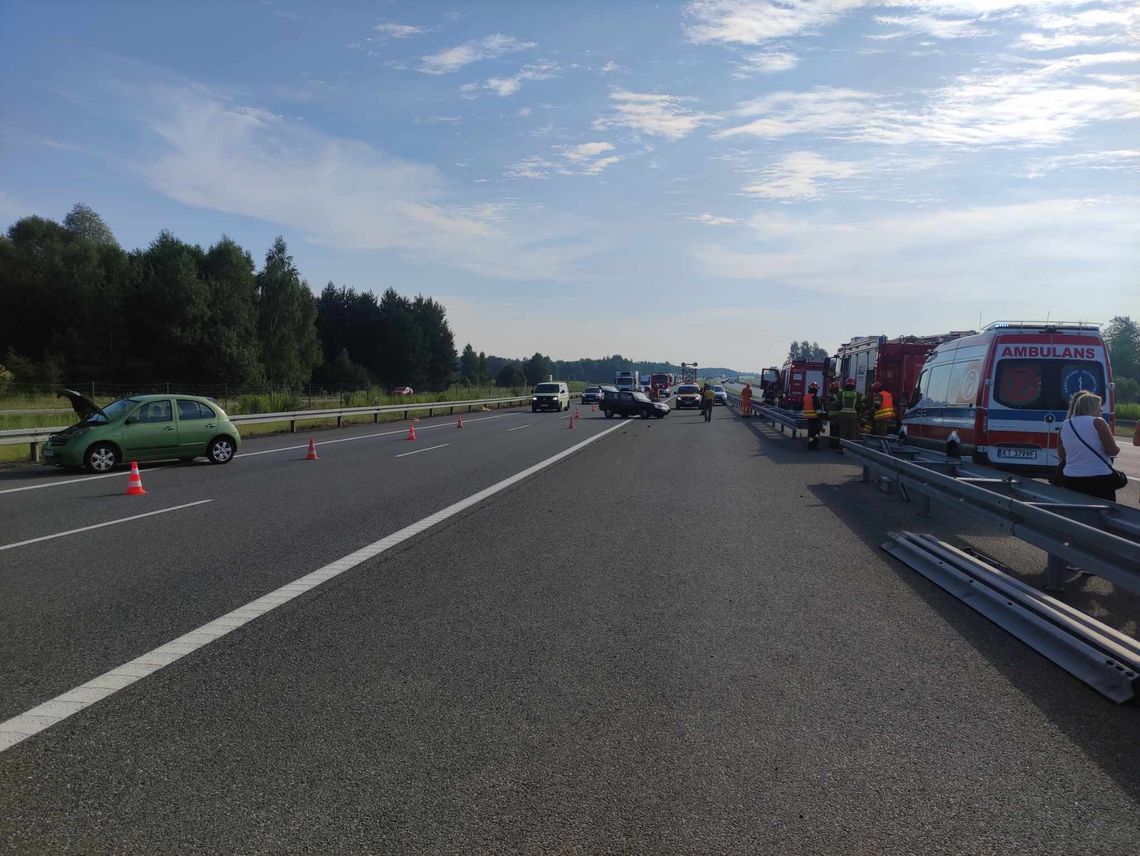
x=1127, y=391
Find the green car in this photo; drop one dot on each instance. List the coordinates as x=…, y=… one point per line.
x=142, y=428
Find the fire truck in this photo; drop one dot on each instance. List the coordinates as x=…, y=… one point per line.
x=795, y=378
x=895, y=363
x=770, y=385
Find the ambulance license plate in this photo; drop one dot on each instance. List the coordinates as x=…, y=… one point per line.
x=1020, y=454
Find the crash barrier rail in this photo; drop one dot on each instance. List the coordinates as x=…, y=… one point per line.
x=1102, y=657
x=1097, y=536
x=35, y=437
x=776, y=416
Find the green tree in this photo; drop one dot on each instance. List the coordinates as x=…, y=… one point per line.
x=510, y=375
x=230, y=350
x=437, y=344
x=469, y=366
x=286, y=320
x=484, y=373
x=537, y=369
x=83, y=223
x=1122, y=336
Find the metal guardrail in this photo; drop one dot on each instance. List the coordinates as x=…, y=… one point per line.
x=776, y=416
x=1097, y=536
x=37, y=436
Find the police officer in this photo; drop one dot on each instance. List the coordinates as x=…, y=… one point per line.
x=811, y=414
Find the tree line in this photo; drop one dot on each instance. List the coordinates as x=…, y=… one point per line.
x=75, y=306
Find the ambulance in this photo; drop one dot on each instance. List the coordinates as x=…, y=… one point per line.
x=1001, y=396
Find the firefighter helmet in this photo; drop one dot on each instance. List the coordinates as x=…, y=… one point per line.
x=849, y=383
x=876, y=386
x=813, y=385
x=834, y=386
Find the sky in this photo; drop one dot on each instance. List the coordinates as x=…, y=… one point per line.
x=699, y=182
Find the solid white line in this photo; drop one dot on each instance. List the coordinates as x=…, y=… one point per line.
x=519, y=428
x=101, y=525
x=263, y=452
x=417, y=451
x=43, y=716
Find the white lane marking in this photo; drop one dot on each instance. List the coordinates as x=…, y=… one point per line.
x=417, y=451
x=519, y=428
x=101, y=525
x=263, y=452
x=43, y=716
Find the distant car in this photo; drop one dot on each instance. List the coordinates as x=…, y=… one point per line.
x=592, y=395
x=719, y=395
x=403, y=390
x=554, y=395
x=688, y=395
x=142, y=428
x=623, y=403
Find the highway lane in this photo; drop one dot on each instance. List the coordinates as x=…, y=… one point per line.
x=709, y=654
x=72, y=607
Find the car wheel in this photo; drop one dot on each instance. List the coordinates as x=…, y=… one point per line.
x=609, y=414
x=534, y=410
x=660, y=415
x=644, y=415
x=101, y=458
x=221, y=450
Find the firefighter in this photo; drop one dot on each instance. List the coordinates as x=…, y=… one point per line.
x=883, y=408
x=850, y=404
x=746, y=400
x=834, y=405
x=811, y=414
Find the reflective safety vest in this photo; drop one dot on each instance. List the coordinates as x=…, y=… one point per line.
x=849, y=397
x=809, y=407
x=886, y=409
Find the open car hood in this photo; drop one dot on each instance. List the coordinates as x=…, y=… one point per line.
x=84, y=407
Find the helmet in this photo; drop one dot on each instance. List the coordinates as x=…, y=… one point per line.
x=849, y=383
x=834, y=386
x=813, y=385
x=876, y=386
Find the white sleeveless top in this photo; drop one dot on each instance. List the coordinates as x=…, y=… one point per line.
x=1080, y=462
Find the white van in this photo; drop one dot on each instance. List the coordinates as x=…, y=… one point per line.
x=1001, y=395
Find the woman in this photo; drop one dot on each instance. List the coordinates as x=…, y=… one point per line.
x=1087, y=448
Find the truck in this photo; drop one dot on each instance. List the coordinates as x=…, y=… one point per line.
x=895, y=363
x=770, y=385
x=795, y=378
x=663, y=381
x=626, y=379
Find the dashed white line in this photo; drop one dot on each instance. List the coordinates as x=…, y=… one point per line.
x=518, y=428
x=101, y=525
x=21, y=727
x=418, y=451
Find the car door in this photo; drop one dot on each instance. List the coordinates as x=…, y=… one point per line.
x=151, y=432
x=197, y=425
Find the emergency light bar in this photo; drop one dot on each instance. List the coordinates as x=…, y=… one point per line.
x=1047, y=326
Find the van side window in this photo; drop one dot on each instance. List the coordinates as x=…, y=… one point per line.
x=935, y=393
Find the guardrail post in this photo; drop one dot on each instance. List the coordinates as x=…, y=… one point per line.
x=376, y=417
x=339, y=421
x=1055, y=573
x=292, y=426
x=35, y=451
x=405, y=416
x=451, y=411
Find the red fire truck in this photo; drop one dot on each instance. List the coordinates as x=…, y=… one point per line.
x=895, y=363
x=795, y=377
x=770, y=385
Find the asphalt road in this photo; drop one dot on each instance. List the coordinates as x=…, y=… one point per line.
x=681, y=638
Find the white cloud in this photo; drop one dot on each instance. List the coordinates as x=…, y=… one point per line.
x=798, y=177
x=453, y=59
x=582, y=159
x=1096, y=26
x=712, y=220
x=821, y=109
x=506, y=86
x=653, y=114
x=766, y=62
x=753, y=22
x=610, y=67
x=398, y=31
x=338, y=192
x=1033, y=252
x=1117, y=159
x=931, y=25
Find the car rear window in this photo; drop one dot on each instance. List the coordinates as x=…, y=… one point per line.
x=194, y=410
x=1045, y=384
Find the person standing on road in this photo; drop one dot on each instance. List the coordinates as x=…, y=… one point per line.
x=811, y=414
x=850, y=403
x=884, y=410
x=708, y=399
x=746, y=400
x=1086, y=449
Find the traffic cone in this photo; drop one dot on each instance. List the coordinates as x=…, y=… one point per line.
x=412, y=431
x=571, y=421
x=593, y=408
x=577, y=413
x=459, y=424
x=134, y=484
x=312, y=456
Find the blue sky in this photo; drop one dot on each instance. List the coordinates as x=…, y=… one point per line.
x=700, y=181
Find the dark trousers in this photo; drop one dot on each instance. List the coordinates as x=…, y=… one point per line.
x=708, y=411
x=813, y=432
x=1098, y=486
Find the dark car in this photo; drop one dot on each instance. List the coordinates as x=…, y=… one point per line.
x=622, y=403
x=592, y=395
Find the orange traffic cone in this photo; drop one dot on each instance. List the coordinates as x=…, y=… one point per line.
x=459, y=424
x=577, y=413
x=412, y=431
x=312, y=456
x=571, y=421
x=593, y=408
x=134, y=485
